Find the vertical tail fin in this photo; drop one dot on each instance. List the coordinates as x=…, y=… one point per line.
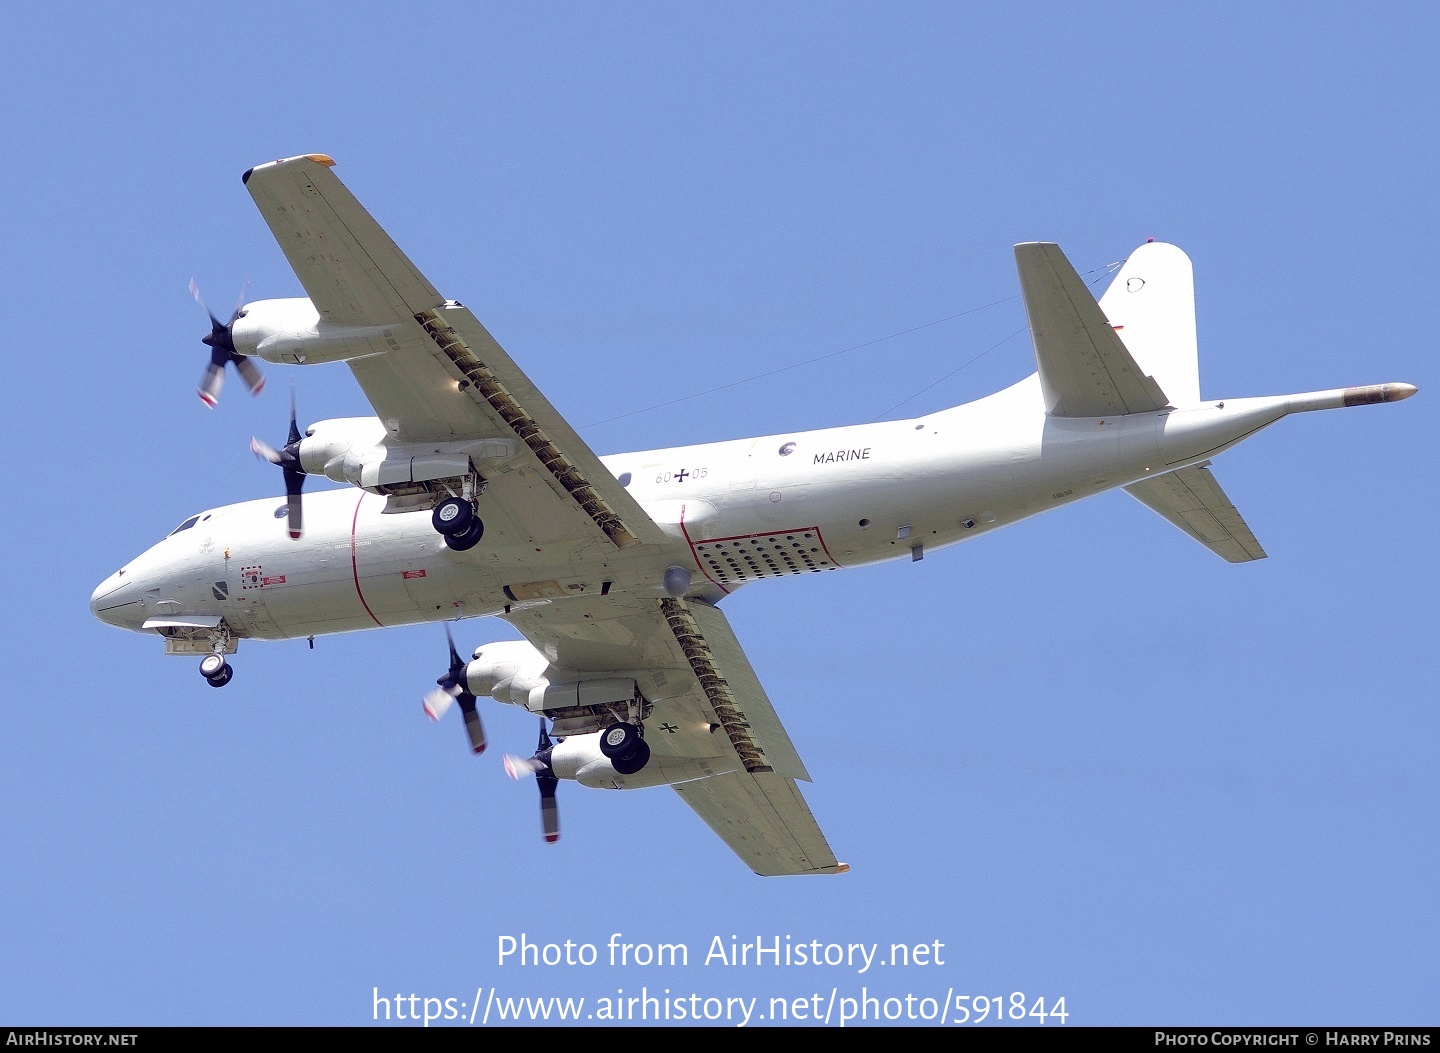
x=1151, y=304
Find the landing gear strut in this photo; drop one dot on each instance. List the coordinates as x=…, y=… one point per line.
x=216, y=671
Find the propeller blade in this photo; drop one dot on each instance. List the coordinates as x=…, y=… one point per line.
x=294, y=437
x=210, y=383
x=239, y=300
x=287, y=458
x=195, y=292
x=547, y=781
x=549, y=811
x=294, y=483
x=437, y=703
x=293, y=507
x=519, y=767
x=262, y=449
x=473, y=727
x=248, y=373
x=452, y=690
x=221, y=342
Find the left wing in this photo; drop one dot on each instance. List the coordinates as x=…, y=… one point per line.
x=443, y=377
x=707, y=706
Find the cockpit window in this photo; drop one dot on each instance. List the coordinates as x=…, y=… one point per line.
x=184, y=526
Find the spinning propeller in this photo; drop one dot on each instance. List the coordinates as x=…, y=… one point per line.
x=288, y=458
x=452, y=689
x=545, y=779
x=222, y=351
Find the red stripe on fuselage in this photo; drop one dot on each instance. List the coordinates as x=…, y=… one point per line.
x=354, y=564
x=696, y=558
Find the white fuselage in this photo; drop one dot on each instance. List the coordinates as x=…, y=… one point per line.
x=735, y=511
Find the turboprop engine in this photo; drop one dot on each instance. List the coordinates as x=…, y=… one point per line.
x=598, y=719
x=357, y=450
x=292, y=331
x=514, y=672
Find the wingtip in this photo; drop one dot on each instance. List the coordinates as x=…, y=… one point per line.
x=319, y=159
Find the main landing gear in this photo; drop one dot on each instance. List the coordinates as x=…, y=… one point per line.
x=628, y=752
x=216, y=671
x=456, y=520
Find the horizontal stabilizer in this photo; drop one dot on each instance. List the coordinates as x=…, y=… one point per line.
x=1085, y=368
x=1192, y=500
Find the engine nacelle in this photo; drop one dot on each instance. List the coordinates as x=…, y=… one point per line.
x=356, y=450
x=331, y=441
x=291, y=331
x=512, y=671
x=506, y=671
x=579, y=758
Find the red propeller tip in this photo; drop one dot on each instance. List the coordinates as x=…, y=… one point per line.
x=550, y=839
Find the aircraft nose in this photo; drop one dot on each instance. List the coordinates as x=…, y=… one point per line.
x=116, y=601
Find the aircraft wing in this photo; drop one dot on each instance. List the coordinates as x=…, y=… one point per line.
x=707, y=706
x=444, y=376
x=1085, y=369
x=765, y=822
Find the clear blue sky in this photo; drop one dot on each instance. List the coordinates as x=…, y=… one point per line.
x=1084, y=754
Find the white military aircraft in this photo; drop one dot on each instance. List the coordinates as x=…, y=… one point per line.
x=470, y=495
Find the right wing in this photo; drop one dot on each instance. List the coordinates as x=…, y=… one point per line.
x=1085, y=369
x=708, y=713
x=1192, y=500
